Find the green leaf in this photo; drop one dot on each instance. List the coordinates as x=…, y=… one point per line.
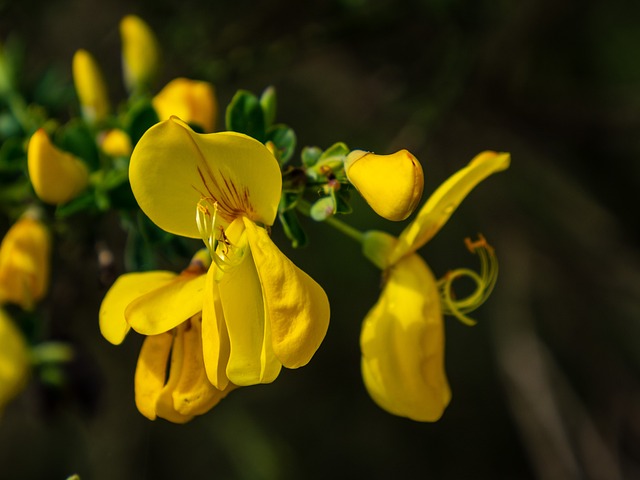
x=140, y=118
x=338, y=149
x=86, y=201
x=292, y=228
x=284, y=138
x=268, y=102
x=310, y=156
x=245, y=115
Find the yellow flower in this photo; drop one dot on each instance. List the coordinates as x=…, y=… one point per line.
x=24, y=263
x=56, y=176
x=116, y=143
x=140, y=53
x=170, y=379
x=260, y=311
x=90, y=87
x=192, y=101
x=14, y=360
x=402, y=338
x=391, y=184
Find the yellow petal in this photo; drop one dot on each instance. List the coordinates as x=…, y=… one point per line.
x=14, y=360
x=391, y=184
x=402, y=343
x=140, y=53
x=444, y=201
x=151, y=371
x=215, y=339
x=164, y=308
x=251, y=359
x=116, y=143
x=56, y=176
x=25, y=254
x=192, y=101
x=125, y=289
x=172, y=168
x=194, y=394
x=297, y=307
x=90, y=87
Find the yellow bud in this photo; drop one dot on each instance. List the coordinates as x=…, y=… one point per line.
x=90, y=87
x=192, y=101
x=391, y=184
x=56, y=176
x=140, y=53
x=116, y=143
x=14, y=360
x=25, y=254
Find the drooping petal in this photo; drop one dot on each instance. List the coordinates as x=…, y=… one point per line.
x=251, y=359
x=172, y=168
x=391, y=184
x=151, y=372
x=14, y=360
x=124, y=290
x=297, y=307
x=194, y=394
x=444, y=201
x=402, y=343
x=215, y=339
x=163, y=308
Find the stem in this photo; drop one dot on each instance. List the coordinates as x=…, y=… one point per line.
x=351, y=232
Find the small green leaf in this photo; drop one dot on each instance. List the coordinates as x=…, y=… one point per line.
x=140, y=118
x=245, y=115
x=292, y=228
x=75, y=137
x=338, y=149
x=268, y=102
x=284, y=138
x=310, y=156
x=323, y=209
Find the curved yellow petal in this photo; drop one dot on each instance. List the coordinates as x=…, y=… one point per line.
x=25, y=254
x=172, y=168
x=251, y=358
x=297, y=307
x=151, y=372
x=56, y=176
x=140, y=53
x=194, y=394
x=402, y=343
x=192, y=101
x=215, y=339
x=444, y=201
x=391, y=184
x=90, y=86
x=14, y=360
x=164, y=308
x=124, y=290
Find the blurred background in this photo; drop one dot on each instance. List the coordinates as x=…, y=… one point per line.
x=546, y=386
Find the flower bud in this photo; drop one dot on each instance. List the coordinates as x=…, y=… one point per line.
x=90, y=87
x=56, y=176
x=391, y=184
x=194, y=102
x=24, y=263
x=14, y=360
x=116, y=143
x=140, y=53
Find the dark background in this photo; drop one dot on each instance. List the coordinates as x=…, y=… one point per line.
x=545, y=386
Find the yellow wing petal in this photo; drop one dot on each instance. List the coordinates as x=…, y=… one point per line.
x=125, y=289
x=215, y=339
x=151, y=372
x=402, y=343
x=172, y=168
x=297, y=307
x=444, y=201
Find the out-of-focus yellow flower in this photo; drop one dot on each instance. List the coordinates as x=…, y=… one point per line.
x=56, y=176
x=175, y=389
x=25, y=254
x=192, y=101
x=391, y=184
x=14, y=360
x=116, y=143
x=90, y=87
x=140, y=53
x=402, y=338
x=260, y=311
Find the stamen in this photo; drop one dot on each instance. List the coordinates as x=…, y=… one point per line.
x=223, y=252
x=484, y=282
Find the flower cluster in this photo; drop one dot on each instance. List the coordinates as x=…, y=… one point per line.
x=241, y=310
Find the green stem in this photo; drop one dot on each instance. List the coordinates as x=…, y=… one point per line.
x=351, y=232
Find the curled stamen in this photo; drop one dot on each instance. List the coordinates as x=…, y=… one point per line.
x=484, y=282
